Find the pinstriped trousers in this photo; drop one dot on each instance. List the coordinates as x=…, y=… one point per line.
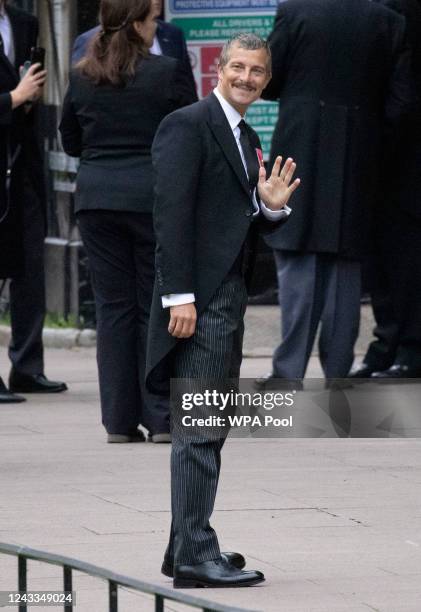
x=213, y=352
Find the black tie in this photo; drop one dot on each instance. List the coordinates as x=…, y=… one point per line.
x=1, y=44
x=250, y=155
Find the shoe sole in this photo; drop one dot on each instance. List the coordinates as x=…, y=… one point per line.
x=21, y=390
x=164, y=438
x=121, y=439
x=167, y=569
x=13, y=400
x=185, y=583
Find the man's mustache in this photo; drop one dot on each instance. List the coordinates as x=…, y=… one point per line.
x=244, y=85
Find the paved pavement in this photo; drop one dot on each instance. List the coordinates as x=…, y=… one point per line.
x=261, y=337
x=263, y=331
x=334, y=524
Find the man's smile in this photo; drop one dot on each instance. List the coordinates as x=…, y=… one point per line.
x=244, y=86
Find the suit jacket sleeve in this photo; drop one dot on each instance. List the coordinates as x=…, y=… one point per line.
x=185, y=61
x=183, y=91
x=78, y=50
x=80, y=45
x=31, y=117
x=401, y=86
x=176, y=156
x=5, y=109
x=71, y=132
x=278, y=43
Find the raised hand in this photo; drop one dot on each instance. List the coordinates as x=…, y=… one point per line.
x=276, y=190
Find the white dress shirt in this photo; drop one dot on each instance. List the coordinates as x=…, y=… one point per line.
x=7, y=35
x=156, y=47
x=234, y=118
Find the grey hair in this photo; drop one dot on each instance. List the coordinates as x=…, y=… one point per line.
x=245, y=40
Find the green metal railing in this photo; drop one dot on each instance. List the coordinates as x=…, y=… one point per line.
x=161, y=594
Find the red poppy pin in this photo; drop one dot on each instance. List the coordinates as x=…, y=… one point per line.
x=260, y=157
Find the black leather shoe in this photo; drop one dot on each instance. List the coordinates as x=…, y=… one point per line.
x=233, y=558
x=213, y=574
x=34, y=383
x=398, y=371
x=133, y=437
x=361, y=371
x=272, y=382
x=7, y=397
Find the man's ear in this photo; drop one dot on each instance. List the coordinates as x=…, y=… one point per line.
x=268, y=77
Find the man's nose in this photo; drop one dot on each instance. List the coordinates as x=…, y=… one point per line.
x=245, y=75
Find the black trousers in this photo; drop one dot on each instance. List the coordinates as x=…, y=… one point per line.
x=396, y=292
x=27, y=292
x=213, y=352
x=121, y=253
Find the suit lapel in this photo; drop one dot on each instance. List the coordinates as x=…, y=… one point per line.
x=165, y=42
x=4, y=60
x=19, y=38
x=221, y=129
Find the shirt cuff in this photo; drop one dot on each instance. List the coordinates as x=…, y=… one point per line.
x=177, y=299
x=274, y=215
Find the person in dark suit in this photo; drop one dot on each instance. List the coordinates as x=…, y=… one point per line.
x=206, y=163
x=117, y=96
x=340, y=69
x=169, y=40
x=27, y=290
x=13, y=95
x=395, y=282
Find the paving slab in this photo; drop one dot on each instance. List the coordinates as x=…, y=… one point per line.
x=335, y=524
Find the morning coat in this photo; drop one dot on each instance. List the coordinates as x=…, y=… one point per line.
x=341, y=75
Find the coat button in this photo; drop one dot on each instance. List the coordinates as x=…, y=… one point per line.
x=356, y=107
x=248, y=212
x=322, y=103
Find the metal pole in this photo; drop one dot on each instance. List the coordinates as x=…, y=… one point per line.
x=67, y=586
x=113, y=593
x=22, y=579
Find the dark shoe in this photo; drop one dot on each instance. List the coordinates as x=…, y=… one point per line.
x=213, y=574
x=7, y=397
x=34, y=383
x=361, y=371
x=270, y=381
x=398, y=371
x=135, y=436
x=160, y=438
x=268, y=297
x=233, y=558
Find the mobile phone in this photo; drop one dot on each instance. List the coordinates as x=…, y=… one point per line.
x=38, y=56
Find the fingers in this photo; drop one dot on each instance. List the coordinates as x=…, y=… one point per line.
x=276, y=167
x=33, y=68
x=35, y=75
x=289, y=170
x=294, y=185
x=182, y=321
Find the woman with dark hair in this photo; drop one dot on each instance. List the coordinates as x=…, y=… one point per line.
x=117, y=96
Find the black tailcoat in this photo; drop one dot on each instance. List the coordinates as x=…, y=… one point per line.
x=340, y=70
x=202, y=215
